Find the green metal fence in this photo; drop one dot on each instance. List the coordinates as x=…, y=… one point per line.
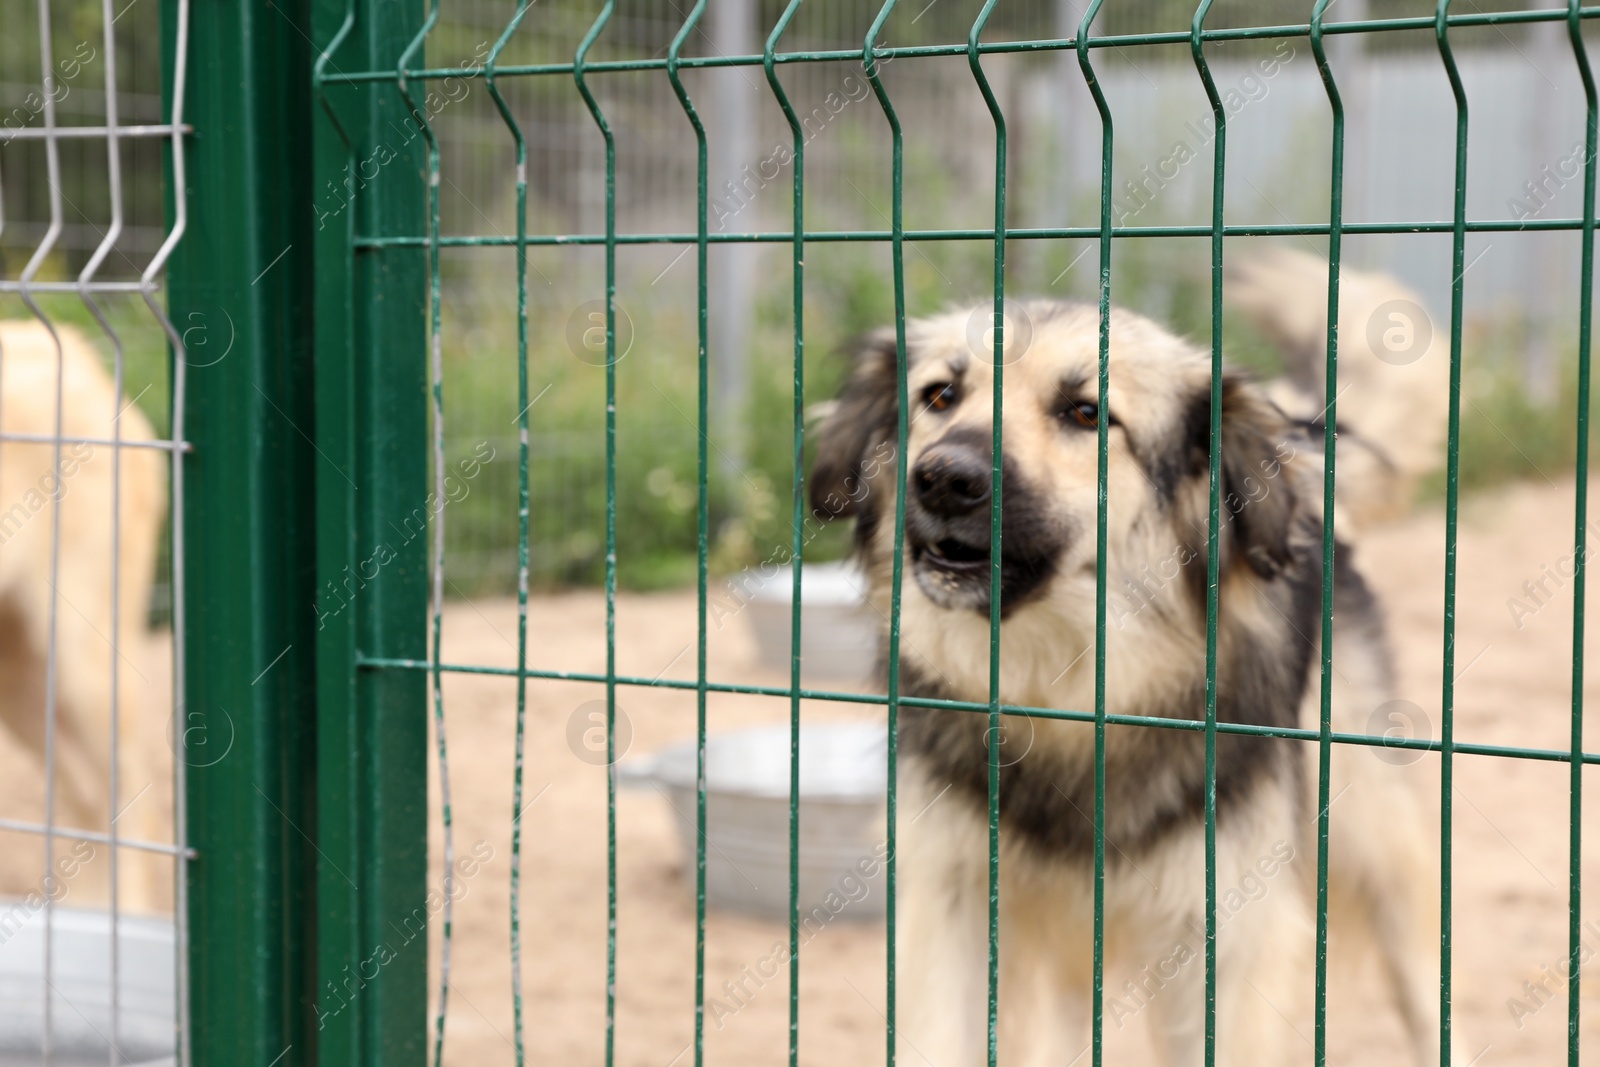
x=363, y=292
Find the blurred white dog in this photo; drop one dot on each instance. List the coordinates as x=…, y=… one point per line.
x=96, y=627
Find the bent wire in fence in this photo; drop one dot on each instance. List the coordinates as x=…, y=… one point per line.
x=871, y=56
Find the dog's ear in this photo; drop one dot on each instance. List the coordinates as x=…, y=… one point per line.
x=865, y=414
x=1261, y=499
x=1259, y=490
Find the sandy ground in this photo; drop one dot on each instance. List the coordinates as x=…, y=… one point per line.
x=1511, y=826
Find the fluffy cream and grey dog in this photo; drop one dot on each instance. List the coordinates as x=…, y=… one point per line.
x=93, y=642
x=1382, y=870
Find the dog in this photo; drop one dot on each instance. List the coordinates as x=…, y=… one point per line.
x=32, y=490
x=1381, y=866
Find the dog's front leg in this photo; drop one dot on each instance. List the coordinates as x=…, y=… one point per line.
x=941, y=945
x=1177, y=1013
x=1263, y=985
x=1044, y=984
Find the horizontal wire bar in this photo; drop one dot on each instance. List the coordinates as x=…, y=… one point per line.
x=50, y=439
x=97, y=838
x=1198, y=725
x=1248, y=33
x=40, y=133
x=1033, y=233
x=11, y=286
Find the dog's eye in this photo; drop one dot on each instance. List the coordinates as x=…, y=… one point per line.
x=1084, y=413
x=940, y=396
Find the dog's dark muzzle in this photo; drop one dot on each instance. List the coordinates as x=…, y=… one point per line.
x=949, y=526
x=953, y=481
x=950, y=500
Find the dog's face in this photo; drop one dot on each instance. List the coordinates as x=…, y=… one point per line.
x=1158, y=418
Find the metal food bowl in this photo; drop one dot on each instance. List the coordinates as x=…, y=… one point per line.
x=80, y=977
x=843, y=782
x=838, y=630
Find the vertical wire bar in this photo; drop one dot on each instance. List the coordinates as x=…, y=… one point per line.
x=1329, y=421
x=180, y=379
x=1580, y=52
x=2, y=346
x=46, y=245
x=1103, y=448
x=522, y=522
x=996, y=495
x=436, y=608
x=1213, y=524
x=580, y=77
x=319, y=73
x=702, y=522
x=85, y=277
x=869, y=65
x=797, y=273
x=797, y=269
x=1458, y=247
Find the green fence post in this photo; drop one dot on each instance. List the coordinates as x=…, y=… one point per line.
x=238, y=285
x=374, y=512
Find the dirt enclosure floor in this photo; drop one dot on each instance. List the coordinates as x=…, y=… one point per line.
x=1511, y=827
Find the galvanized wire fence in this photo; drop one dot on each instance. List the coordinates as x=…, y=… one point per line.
x=88, y=712
x=403, y=73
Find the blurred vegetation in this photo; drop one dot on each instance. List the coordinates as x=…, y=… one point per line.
x=1507, y=433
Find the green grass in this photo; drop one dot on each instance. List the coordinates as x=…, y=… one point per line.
x=1507, y=433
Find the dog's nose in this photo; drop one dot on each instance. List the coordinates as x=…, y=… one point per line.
x=951, y=482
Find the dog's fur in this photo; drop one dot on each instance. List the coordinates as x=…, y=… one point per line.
x=30, y=489
x=1270, y=593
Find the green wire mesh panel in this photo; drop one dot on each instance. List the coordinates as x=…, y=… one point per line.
x=571, y=92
